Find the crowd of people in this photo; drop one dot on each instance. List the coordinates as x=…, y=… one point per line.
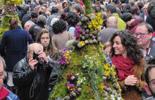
x=33, y=44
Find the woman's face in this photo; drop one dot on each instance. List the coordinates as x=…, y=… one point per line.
x=119, y=49
x=45, y=39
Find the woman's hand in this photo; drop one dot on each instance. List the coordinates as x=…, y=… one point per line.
x=131, y=80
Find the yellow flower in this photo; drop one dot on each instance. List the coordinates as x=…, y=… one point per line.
x=113, y=72
x=101, y=86
x=81, y=44
x=67, y=55
x=107, y=70
x=106, y=66
x=107, y=73
x=96, y=22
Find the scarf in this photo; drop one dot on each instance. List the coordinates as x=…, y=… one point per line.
x=3, y=93
x=124, y=66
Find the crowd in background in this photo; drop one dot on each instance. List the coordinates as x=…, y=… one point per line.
x=46, y=26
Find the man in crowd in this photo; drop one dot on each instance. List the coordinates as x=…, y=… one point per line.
x=35, y=74
x=143, y=34
x=13, y=47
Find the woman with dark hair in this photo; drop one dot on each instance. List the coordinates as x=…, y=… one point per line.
x=129, y=63
x=45, y=39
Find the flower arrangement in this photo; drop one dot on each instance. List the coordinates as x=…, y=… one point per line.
x=91, y=69
x=96, y=22
x=86, y=31
x=89, y=74
x=73, y=86
x=65, y=58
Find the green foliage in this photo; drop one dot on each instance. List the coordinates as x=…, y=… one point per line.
x=88, y=64
x=5, y=22
x=9, y=13
x=14, y=2
x=1, y=2
x=88, y=6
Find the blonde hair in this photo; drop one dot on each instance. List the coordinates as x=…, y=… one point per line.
x=34, y=47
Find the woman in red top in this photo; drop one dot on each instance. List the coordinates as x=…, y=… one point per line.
x=129, y=63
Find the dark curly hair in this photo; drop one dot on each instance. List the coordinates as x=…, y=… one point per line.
x=72, y=19
x=59, y=26
x=130, y=43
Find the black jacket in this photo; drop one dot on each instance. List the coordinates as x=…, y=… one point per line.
x=35, y=85
x=151, y=21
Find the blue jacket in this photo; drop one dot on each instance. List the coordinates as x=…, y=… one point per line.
x=14, y=47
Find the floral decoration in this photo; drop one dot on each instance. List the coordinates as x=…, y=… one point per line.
x=96, y=22
x=87, y=29
x=73, y=86
x=65, y=58
x=89, y=74
x=107, y=72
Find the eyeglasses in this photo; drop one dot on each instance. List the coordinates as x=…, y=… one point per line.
x=138, y=35
x=142, y=35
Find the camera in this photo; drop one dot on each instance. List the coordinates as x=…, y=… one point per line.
x=35, y=56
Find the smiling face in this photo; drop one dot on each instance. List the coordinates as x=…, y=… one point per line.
x=141, y=33
x=118, y=47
